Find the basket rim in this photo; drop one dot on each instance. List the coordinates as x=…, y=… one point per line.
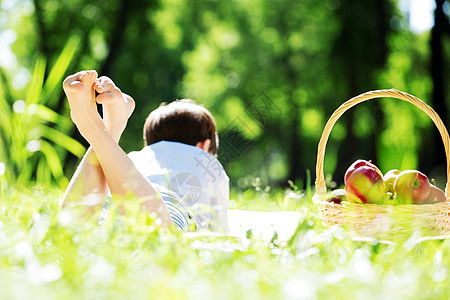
x=343, y=204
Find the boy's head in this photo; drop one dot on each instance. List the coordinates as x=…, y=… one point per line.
x=181, y=121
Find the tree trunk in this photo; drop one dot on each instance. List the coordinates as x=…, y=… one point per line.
x=295, y=163
x=42, y=41
x=432, y=151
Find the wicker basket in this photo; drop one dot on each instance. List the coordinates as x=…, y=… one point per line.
x=383, y=220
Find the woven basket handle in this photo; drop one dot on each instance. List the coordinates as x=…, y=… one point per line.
x=321, y=189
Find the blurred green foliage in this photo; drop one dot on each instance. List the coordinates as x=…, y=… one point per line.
x=34, y=139
x=270, y=72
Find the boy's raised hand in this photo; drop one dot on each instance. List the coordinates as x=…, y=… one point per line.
x=117, y=106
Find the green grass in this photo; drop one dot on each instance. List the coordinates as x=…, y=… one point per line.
x=45, y=254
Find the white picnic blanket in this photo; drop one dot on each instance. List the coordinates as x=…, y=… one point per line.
x=263, y=224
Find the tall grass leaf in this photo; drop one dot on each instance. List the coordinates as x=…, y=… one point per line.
x=43, y=174
x=4, y=105
x=37, y=81
x=26, y=170
x=48, y=115
x=64, y=141
x=57, y=72
x=5, y=85
x=53, y=162
x=308, y=185
x=24, y=123
x=5, y=122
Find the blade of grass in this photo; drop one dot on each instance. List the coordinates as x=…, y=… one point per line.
x=57, y=72
x=49, y=115
x=37, y=80
x=64, y=141
x=53, y=162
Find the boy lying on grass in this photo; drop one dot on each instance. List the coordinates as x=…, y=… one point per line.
x=176, y=175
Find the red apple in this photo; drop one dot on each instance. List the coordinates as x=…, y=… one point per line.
x=436, y=195
x=389, y=180
x=360, y=163
x=365, y=184
x=412, y=186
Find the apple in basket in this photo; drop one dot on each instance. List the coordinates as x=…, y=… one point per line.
x=389, y=180
x=412, y=186
x=436, y=195
x=359, y=163
x=337, y=196
x=365, y=185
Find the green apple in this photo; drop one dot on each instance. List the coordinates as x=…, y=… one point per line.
x=389, y=180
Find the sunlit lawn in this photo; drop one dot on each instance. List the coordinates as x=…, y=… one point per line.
x=48, y=255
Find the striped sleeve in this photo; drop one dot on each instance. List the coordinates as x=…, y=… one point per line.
x=179, y=214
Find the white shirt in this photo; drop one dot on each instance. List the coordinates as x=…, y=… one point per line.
x=196, y=176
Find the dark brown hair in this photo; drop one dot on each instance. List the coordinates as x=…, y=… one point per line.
x=181, y=121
